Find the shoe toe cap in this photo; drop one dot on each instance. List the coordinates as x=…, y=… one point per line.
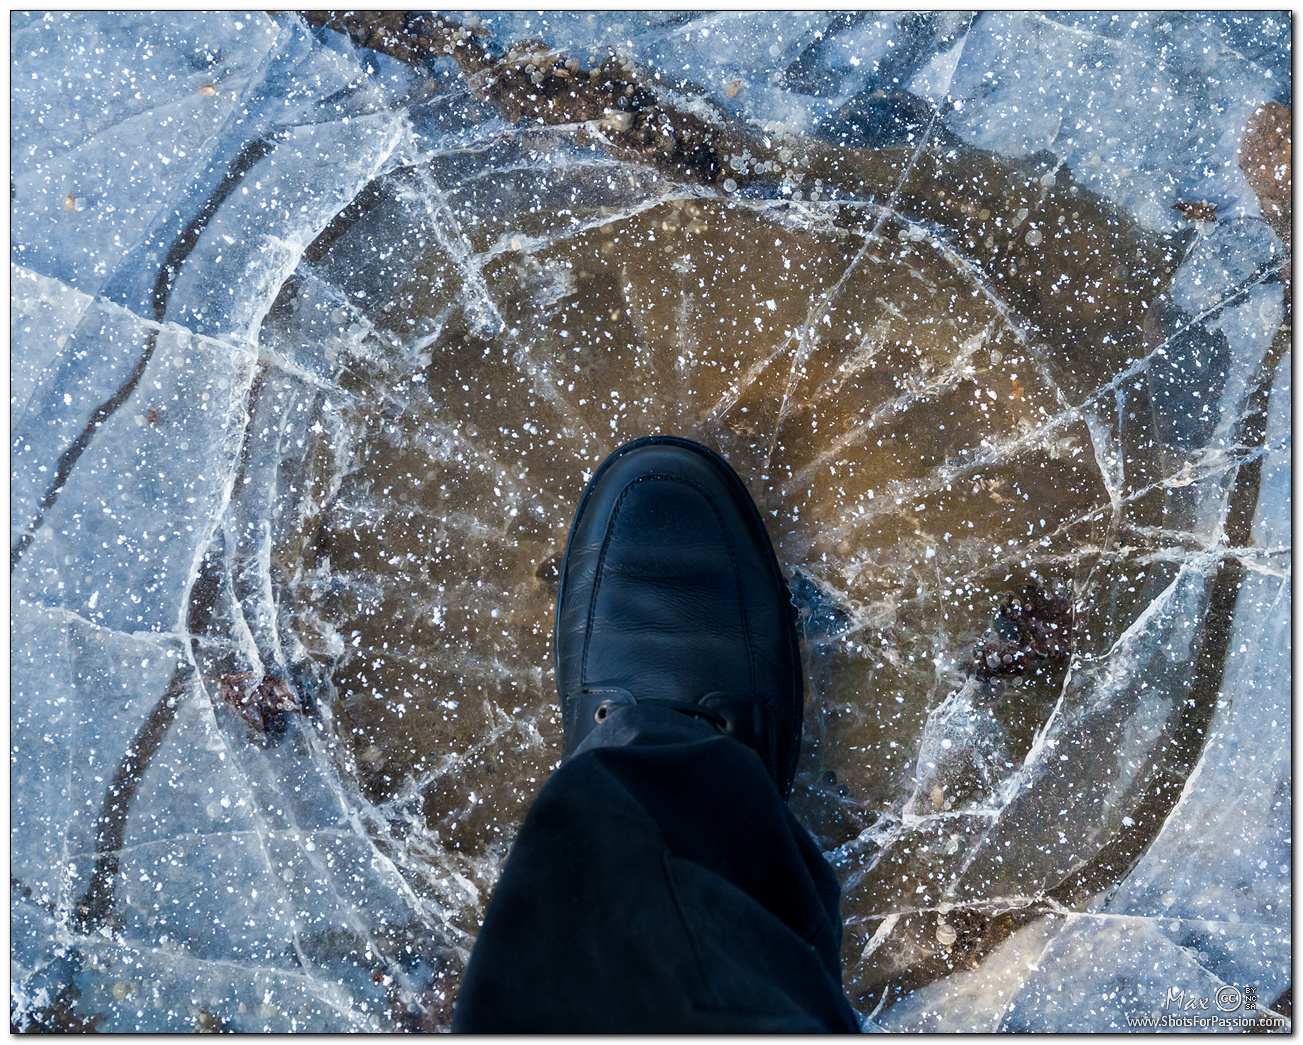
x=670, y=588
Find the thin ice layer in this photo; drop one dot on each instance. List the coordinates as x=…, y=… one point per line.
x=362, y=523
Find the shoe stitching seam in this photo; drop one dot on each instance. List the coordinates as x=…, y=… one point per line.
x=601, y=559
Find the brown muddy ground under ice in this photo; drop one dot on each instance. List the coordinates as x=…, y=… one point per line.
x=901, y=356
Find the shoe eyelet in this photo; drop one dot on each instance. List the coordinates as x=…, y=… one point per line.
x=726, y=726
x=603, y=709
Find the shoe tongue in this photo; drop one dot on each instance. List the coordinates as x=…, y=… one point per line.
x=667, y=620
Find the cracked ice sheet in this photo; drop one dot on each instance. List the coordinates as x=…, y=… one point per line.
x=115, y=125
x=1100, y=79
x=260, y=192
x=172, y=992
x=288, y=793
x=1185, y=925
x=1026, y=843
x=1134, y=719
x=1225, y=851
x=973, y=1001
x=1058, y=808
x=230, y=858
x=1100, y=971
x=1068, y=973
x=122, y=541
x=43, y=314
x=80, y=693
x=231, y=272
x=164, y=460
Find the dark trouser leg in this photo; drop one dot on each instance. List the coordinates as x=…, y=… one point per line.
x=659, y=883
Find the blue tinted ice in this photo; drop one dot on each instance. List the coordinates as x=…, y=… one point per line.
x=314, y=344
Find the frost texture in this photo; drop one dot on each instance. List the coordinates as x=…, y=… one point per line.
x=315, y=344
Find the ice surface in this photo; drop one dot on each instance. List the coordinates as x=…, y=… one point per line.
x=315, y=340
x=1122, y=98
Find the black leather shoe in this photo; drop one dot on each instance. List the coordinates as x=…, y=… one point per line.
x=670, y=594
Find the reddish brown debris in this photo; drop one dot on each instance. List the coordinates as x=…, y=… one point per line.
x=1197, y=211
x=1043, y=621
x=257, y=697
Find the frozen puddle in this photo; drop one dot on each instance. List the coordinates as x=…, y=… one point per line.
x=317, y=333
